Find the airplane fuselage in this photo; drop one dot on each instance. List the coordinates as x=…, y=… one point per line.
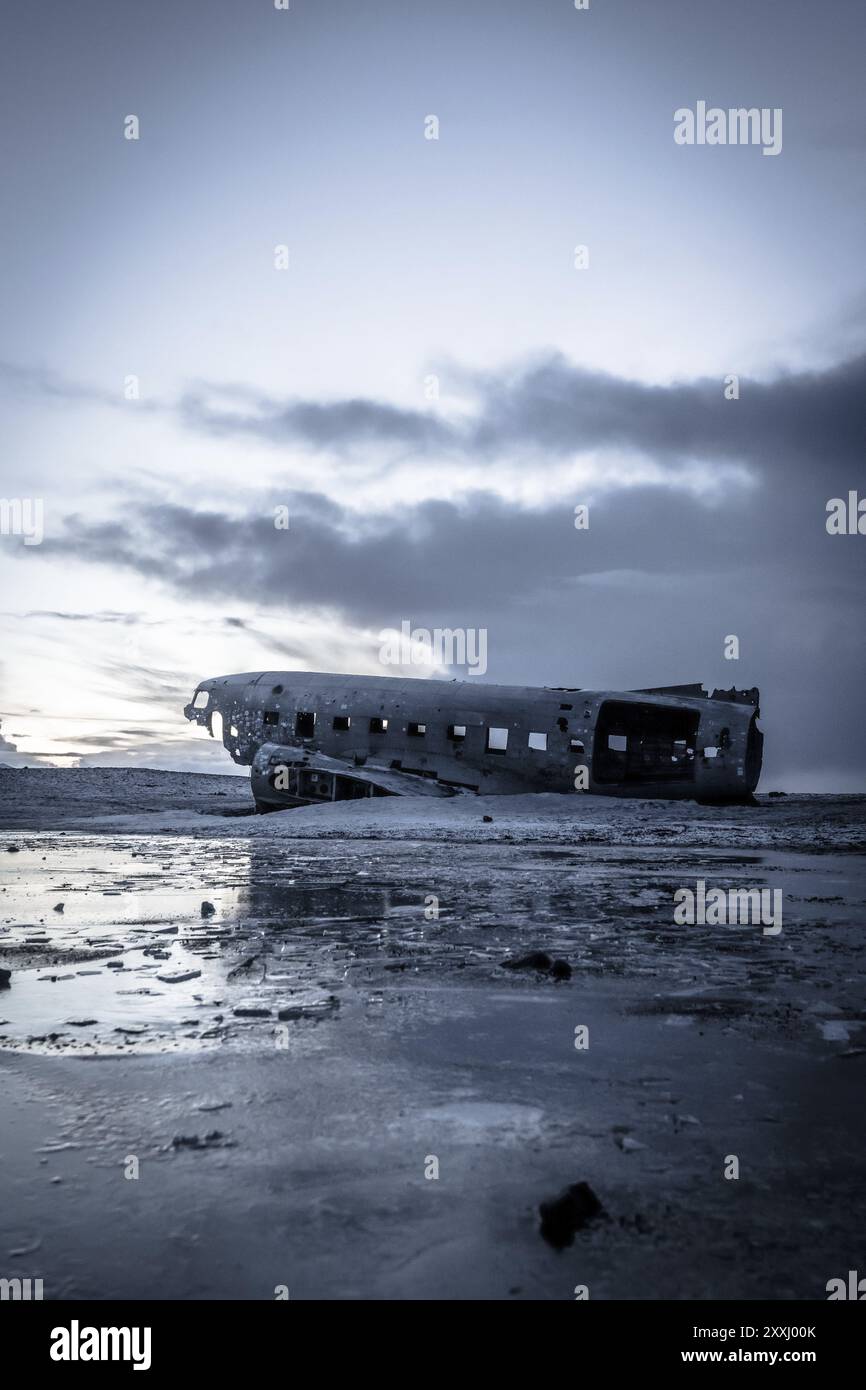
x=340, y=736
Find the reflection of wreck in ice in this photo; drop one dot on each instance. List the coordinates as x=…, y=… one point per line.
x=311, y=737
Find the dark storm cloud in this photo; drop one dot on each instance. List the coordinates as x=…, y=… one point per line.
x=554, y=407
x=807, y=416
x=551, y=406
x=481, y=553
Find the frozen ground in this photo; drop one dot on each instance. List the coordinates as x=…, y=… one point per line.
x=403, y=1039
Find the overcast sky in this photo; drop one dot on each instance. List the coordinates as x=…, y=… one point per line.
x=410, y=259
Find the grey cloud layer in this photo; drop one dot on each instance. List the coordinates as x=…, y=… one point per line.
x=552, y=406
x=801, y=437
x=557, y=408
x=645, y=595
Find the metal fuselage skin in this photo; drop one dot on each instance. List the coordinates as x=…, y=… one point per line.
x=676, y=742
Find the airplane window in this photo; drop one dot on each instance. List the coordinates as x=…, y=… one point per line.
x=417, y=730
x=378, y=726
x=457, y=732
x=538, y=741
x=497, y=740
x=271, y=716
x=342, y=722
x=200, y=699
x=305, y=724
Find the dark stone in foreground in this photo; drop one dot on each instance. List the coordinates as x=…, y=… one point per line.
x=535, y=960
x=541, y=961
x=5, y=978
x=565, y=1215
x=214, y=1139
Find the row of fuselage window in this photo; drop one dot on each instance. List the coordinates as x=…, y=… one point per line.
x=496, y=738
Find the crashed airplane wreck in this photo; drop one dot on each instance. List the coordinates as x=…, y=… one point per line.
x=313, y=737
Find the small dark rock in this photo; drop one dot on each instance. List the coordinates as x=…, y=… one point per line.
x=536, y=960
x=5, y=979
x=12, y=849
x=58, y=907
x=207, y=909
x=563, y=1216
x=488, y=819
x=560, y=970
x=214, y=1139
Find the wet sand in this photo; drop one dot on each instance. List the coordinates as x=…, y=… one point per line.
x=403, y=1040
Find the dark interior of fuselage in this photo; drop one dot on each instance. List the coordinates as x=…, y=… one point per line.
x=644, y=743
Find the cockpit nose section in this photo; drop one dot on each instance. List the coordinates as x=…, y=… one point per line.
x=196, y=710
